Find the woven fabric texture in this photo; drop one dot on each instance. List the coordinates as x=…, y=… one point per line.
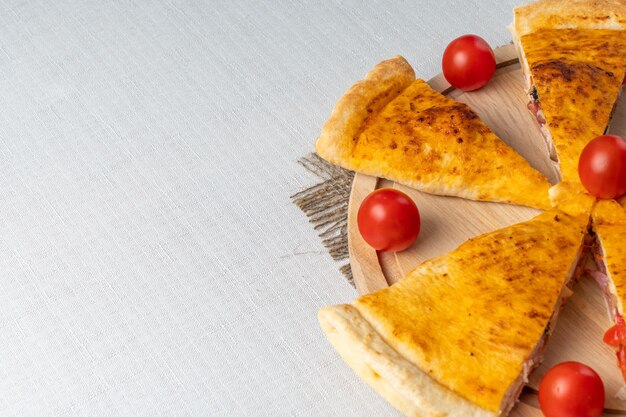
x=151, y=260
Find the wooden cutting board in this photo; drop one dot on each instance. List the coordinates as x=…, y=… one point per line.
x=448, y=221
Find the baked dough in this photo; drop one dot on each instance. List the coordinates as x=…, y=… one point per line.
x=360, y=103
x=460, y=333
x=572, y=54
x=570, y=14
x=401, y=383
x=392, y=126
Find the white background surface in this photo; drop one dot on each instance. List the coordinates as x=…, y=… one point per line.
x=151, y=262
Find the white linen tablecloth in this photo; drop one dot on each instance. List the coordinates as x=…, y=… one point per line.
x=152, y=263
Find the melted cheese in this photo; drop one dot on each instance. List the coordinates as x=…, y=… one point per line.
x=472, y=318
x=426, y=140
x=578, y=75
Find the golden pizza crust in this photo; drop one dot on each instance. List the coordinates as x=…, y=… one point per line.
x=572, y=53
x=607, y=212
x=401, y=383
x=574, y=113
x=470, y=320
x=571, y=198
x=567, y=14
x=578, y=76
x=360, y=103
x=598, y=48
x=427, y=141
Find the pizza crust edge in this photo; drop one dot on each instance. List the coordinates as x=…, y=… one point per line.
x=364, y=99
x=569, y=14
x=564, y=14
x=402, y=384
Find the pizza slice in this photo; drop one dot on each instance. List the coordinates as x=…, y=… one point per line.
x=609, y=226
x=459, y=335
x=572, y=57
x=393, y=126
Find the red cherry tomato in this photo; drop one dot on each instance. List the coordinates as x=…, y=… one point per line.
x=468, y=62
x=616, y=335
x=602, y=166
x=388, y=220
x=571, y=389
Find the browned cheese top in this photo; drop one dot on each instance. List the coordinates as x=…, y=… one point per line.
x=578, y=74
x=471, y=318
x=422, y=137
x=393, y=126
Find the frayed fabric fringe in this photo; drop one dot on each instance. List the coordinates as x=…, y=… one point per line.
x=326, y=206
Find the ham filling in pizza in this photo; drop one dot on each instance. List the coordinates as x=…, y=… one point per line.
x=616, y=335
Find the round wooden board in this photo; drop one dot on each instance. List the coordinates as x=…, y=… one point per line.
x=448, y=221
